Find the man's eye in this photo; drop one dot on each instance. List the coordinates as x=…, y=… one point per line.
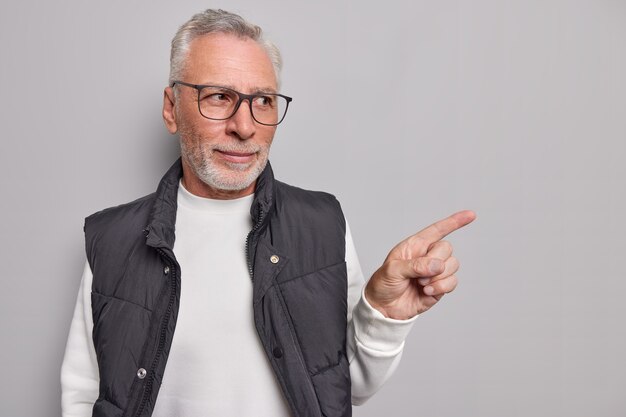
x=263, y=101
x=217, y=97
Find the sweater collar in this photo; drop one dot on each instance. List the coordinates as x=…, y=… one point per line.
x=161, y=223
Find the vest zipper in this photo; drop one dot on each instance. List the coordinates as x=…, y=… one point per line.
x=249, y=241
x=282, y=301
x=162, y=336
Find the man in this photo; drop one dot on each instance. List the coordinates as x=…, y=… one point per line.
x=247, y=288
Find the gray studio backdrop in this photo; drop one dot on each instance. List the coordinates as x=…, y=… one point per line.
x=407, y=111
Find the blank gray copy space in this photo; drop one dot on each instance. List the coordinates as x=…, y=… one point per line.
x=407, y=113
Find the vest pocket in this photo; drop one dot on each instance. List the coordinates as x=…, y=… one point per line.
x=330, y=385
x=119, y=333
x=317, y=307
x=104, y=408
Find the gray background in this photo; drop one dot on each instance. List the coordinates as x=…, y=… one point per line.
x=407, y=111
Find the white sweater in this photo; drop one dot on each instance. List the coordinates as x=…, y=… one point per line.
x=217, y=365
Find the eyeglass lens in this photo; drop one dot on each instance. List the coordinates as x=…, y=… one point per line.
x=219, y=103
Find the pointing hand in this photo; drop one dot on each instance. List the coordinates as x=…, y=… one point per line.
x=418, y=271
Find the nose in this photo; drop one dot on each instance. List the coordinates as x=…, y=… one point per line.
x=241, y=124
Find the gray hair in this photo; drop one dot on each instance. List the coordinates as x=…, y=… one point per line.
x=217, y=21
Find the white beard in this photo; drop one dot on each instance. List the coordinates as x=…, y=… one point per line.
x=222, y=175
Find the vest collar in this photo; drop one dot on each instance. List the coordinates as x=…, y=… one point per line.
x=162, y=220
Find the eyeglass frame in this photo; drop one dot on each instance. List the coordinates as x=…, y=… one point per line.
x=241, y=96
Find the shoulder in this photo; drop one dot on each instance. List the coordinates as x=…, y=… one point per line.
x=123, y=218
x=308, y=207
x=286, y=193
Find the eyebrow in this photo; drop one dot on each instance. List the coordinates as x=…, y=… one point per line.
x=265, y=90
x=257, y=90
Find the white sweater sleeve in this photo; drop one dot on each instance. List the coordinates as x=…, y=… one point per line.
x=79, y=373
x=374, y=342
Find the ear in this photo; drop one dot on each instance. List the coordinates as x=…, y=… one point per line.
x=169, y=113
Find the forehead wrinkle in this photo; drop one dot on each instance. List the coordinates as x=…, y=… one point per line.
x=253, y=90
x=240, y=65
x=236, y=80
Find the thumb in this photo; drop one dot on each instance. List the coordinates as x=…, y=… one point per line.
x=420, y=267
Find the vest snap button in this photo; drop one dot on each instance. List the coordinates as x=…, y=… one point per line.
x=141, y=373
x=166, y=270
x=278, y=352
x=274, y=259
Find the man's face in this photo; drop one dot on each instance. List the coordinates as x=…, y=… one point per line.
x=222, y=158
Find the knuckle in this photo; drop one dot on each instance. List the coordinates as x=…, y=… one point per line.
x=451, y=284
x=446, y=245
x=447, y=285
x=419, y=243
x=420, y=265
x=453, y=263
x=454, y=282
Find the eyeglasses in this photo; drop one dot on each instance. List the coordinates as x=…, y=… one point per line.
x=221, y=103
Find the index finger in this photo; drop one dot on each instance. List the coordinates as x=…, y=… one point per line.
x=442, y=228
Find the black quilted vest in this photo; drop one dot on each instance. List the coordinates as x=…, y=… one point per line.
x=296, y=256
